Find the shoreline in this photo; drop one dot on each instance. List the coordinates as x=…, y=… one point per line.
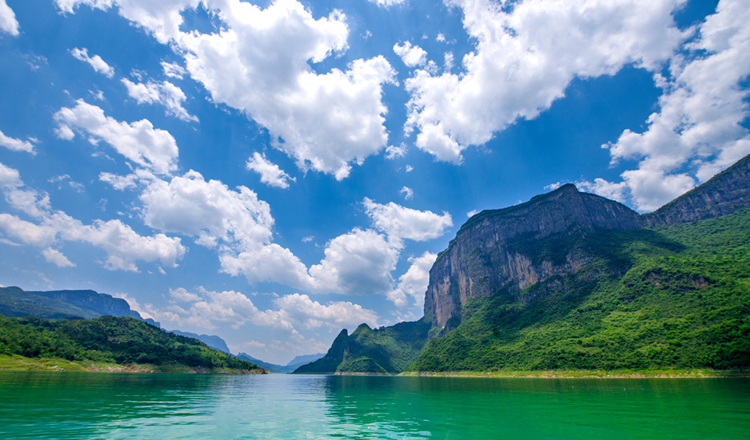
x=17, y=363
x=693, y=373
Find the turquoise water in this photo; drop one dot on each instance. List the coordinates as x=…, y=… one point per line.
x=115, y=406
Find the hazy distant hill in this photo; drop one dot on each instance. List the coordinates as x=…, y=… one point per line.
x=576, y=281
x=299, y=361
x=288, y=368
x=212, y=341
x=16, y=302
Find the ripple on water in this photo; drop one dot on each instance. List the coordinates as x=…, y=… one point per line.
x=124, y=406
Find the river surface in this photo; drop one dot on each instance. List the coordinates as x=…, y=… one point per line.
x=161, y=406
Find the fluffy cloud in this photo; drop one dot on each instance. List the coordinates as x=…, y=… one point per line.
x=206, y=308
x=524, y=59
x=269, y=262
x=412, y=56
x=270, y=173
x=96, y=62
x=414, y=282
x=260, y=66
x=166, y=94
x=699, y=124
x=234, y=220
x=190, y=205
x=138, y=141
x=57, y=258
x=121, y=243
x=336, y=314
x=8, y=22
x=359, y=262
x=16, y=144
x=405, y=223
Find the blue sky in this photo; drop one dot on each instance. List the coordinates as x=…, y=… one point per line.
x=274, y=171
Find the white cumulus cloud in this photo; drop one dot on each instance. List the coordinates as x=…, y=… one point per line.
x=57, y=258
x=412, y=56
x=414, y=282
x=8, y=22
x=17, y=144
x=270, y=173
x=138, y=141
x=206, y=309
x=524, y=59
x=121, y=243
x=405, y=223
x=96, y=62
x=699, y=124
x=164, y=93
x=357, y=263
x=260, y=65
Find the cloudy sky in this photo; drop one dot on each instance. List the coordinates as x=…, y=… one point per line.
x=274, y=171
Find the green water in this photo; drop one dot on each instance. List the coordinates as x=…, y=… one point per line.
x=114, y=406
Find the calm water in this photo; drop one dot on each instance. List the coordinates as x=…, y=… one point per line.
x=113, y=406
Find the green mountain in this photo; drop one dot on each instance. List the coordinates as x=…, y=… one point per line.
x=571, y=280
x=385, y=350
x=676, y=297
x=16, y=302
x=111, y=340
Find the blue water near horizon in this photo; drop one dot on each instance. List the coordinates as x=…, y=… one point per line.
x=163, y=406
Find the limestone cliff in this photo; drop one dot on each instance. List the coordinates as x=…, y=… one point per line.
x=724, y=194
x=485, y=257
x=499, y=249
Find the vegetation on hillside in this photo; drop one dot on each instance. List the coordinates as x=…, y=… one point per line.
x=676, y=297
x=109, y=339
x=385, y=350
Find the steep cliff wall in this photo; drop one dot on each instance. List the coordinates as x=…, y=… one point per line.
x=495, y=249
x=724, y=194
x=486, y=256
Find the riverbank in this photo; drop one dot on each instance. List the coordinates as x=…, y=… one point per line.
x=589, y=374
x=21, y=363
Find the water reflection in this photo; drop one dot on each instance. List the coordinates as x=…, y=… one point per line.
x=70, y=405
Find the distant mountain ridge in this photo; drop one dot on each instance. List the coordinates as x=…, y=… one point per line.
x=15, y=302
x=212, y=341
x=723, y=194
x=288, y=368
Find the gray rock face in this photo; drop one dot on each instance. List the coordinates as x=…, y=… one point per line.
x=723, y=194
x=479, y=261
x=483, y=259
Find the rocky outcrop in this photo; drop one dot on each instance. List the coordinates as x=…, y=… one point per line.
x=724, y=194
x=387, y=350
x=484, y=257
x=499, y=249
